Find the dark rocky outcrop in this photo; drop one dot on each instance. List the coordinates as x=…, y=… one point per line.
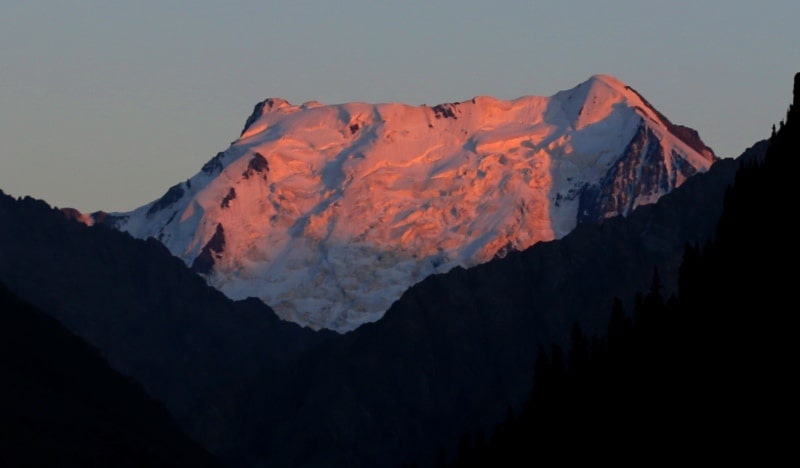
x=214, y=165
x=640, y=173
x=446, y=111
x=173, y=194
x=99, y=217
x=258, y=111
x=229, y=197
x=257, y=165
x=214, y=247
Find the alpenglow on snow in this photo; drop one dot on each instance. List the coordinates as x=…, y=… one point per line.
x=328, y=213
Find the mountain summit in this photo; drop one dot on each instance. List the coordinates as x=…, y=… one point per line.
x=330, y=212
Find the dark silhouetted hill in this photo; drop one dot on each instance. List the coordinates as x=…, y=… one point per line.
x=152, y=318
x=705, y=374
x=61, y=404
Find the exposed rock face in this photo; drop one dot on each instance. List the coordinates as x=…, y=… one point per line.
x=257, y=165
x=211, y=252
x=639, y=175
x=258, y=110
x=226, y=202
x=173, y=195
x=339, y=209
x=214, y=165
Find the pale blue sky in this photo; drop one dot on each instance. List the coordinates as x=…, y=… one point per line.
x=105, y=104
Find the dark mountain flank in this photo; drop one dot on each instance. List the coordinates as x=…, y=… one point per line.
x=61, y=403
x=702, y=374
x=153, y=319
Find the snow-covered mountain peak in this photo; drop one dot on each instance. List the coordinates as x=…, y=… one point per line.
x=329, y=212
x=599, y=97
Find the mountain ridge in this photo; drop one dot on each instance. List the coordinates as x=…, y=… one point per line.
x=329, y=212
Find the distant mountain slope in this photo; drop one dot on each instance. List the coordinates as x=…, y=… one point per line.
x=329, y=212
x=457, y=348
x=150, y=316
x=61, y=404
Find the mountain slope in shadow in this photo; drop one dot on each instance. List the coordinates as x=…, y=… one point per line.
x=61, y=404
x=704, y=374
x=148, y=314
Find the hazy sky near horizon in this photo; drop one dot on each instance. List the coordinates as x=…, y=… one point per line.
x=106, y=104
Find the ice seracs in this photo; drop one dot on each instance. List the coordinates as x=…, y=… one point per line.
x=329, y=212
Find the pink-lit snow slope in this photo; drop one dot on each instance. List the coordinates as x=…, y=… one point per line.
x=329, y=212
